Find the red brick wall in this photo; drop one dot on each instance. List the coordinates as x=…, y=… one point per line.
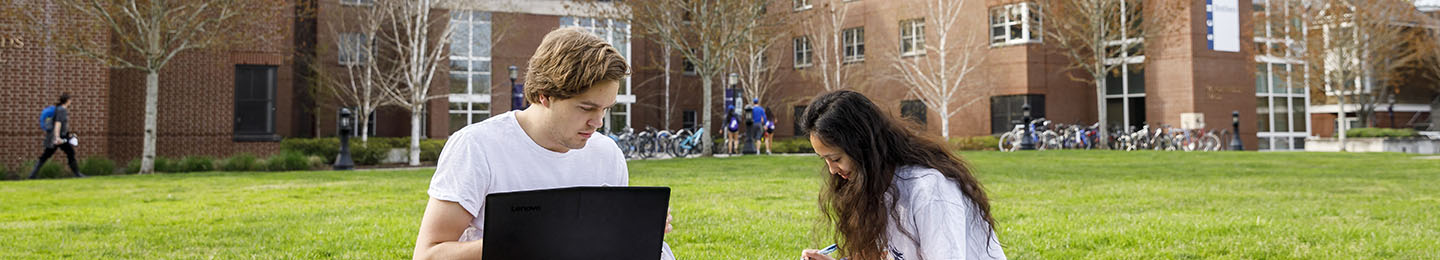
x=32, y=76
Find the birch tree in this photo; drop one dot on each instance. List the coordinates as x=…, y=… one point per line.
x=146, y=35
x=704, y=32
x=364, y=81
x=938, y=73
x=825, y=29
x=1359, y=49
x=418, y=42
x=1091, y=34
x=753, y=59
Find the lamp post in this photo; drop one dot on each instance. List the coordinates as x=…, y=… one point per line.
x=1025, y=142
x=517, y=92
x=1235, y=143
x=343, y=161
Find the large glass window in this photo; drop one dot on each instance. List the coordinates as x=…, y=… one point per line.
x=1281, y=99
x=353, y=48
x=1017, y=23
x=1007, y=111
x=617, y=32
x=470, y=64
x=912, y=37
x=1125, y=85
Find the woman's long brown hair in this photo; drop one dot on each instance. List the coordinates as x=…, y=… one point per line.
x=879, y=144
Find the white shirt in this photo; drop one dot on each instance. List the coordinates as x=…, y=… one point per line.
x=496, y=156
x=945, y=222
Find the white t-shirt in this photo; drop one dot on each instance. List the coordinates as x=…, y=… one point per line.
x=934, y=210
x=496, y=156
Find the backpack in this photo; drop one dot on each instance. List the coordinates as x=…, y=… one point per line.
x=47, y=119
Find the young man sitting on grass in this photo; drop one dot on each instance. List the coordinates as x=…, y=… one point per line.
x=571, y=82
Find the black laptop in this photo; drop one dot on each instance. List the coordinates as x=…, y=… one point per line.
x=576, y=223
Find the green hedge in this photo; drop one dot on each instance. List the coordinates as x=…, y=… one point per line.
x=195, y=164
x=97, y=166
x=51, y=170
x=798, y=144
x=241, y=163
x=9, y=174
x=287, y=161
x=1381, y=133
x=363, y=153
x=976, y=143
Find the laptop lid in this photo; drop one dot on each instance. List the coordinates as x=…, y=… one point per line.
x=576, y=223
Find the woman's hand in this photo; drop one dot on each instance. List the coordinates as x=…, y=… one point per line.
x=814, y=254
x=668, y=227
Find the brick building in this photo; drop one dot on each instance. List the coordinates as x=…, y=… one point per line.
x=199, y=106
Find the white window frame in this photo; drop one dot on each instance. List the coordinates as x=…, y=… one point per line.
x=617, y=33
x=912, y=33
x=804, y=51
x=801, y=5
x=358, y=2
x=853, y=44
x=1125, y=60
x=1290, y=63
x=472, y=97
x=353, y=49
x=1030, y=21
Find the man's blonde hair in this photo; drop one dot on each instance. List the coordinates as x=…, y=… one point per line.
x=568, y=62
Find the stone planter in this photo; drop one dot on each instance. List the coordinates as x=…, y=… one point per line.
x=1394, y=145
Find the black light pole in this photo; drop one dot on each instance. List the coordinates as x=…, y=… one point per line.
x=1025, y=142
x=517, y=93
x=1235, y=143
x=343, y=161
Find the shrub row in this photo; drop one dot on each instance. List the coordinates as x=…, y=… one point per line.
x=364, y=153
x=1381, y=132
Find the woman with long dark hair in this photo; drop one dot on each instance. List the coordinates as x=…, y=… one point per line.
x=892, y=194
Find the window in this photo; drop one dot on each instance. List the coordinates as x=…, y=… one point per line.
x=617, y=32
x=912, y=37
x=1007, y=111
x=1017, y=23
x=357, y=2
x=854, y=42
x=687, y=120
x=795, y=120
x=354, y=48
x=255, y=103
x=913, y=110
x=802, y=5
x=1280, y=106
x=1125, y=85
x=470, y=63
x=804, y=54
x=688, y=67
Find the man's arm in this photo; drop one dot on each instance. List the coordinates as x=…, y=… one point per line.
x=57, y=132
x=440, y=232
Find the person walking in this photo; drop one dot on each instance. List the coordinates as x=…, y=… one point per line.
x=58, y=136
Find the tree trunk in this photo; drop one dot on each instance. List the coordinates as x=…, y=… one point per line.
x=707, y=142
x=1340, y=122
x=945, y=119
x=1102, y=140
x=1434, y=108
x=152, y=96
x=415, y=136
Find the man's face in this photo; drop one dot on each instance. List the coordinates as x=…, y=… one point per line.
x=572, y=121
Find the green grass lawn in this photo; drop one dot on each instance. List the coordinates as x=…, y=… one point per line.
x=1048, y=205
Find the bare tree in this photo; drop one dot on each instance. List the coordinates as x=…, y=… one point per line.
x=937, y=74
x=1360, y=50
x=419, y=43
x=704, y=32
x=364, y=81
x=146, y=35
x=1093, y=34
x=825, y=32
x=753, y=58
x=1430, y=48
